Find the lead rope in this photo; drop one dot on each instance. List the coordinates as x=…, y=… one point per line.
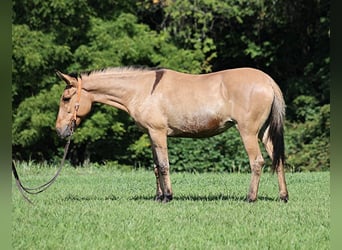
x=37, y=190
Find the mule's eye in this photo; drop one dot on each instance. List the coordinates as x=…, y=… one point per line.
x=68, y=93
x=66, y=99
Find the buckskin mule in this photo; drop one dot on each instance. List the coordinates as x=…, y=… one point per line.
x=166, y=103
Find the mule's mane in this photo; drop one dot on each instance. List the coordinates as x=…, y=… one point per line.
x=119, y=70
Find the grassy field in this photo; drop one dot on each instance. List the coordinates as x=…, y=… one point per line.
x=99, y=208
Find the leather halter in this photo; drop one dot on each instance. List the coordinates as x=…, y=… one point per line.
x=77, y=104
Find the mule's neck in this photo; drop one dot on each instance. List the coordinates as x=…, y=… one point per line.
x=115, y=89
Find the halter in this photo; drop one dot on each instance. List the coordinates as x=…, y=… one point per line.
x=37, y=190
x=77, y=104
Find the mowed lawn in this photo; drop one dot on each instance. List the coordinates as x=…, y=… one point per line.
x=101, y=208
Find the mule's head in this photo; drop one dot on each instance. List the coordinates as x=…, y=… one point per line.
x=75, y=103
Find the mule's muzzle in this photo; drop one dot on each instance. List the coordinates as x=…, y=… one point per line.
x=66, y=130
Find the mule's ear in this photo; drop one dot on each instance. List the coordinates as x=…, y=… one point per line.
x=69, y=80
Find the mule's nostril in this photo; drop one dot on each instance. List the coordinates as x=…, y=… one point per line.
x=59, y=133
x=63, y=131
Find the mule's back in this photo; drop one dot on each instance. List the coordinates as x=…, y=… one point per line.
x=207, y=104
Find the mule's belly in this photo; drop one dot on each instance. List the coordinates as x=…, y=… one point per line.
x=196, y=127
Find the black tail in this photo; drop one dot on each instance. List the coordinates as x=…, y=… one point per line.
x=276, y=128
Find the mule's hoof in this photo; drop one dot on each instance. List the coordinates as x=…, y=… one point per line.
x=159, y=198
x=167, y=198
x=284, y=198
x=163, y=198
x=251, y=200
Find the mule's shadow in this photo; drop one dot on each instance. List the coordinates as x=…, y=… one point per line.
x=214, y=197
x=71, y=197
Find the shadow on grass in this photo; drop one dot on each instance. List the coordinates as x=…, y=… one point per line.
x=71, y=197
x=217, y=197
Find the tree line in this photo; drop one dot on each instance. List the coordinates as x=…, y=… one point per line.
x=289, y=40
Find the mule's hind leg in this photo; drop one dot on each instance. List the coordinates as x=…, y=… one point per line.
x=283, y=193
x=256, y=162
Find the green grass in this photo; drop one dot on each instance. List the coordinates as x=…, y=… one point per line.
x=100, y=208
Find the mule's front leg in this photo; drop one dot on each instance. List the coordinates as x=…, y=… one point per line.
x=162, y=169
x=159, y=192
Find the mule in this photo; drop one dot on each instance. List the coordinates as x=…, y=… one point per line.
x=165, y=103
